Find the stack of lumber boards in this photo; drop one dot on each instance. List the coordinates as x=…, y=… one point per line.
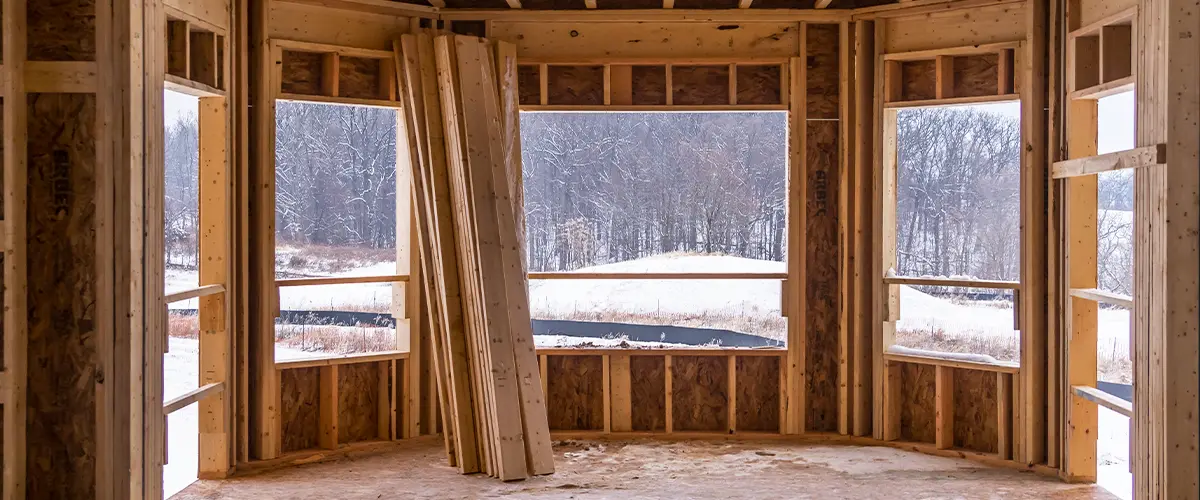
x=460, y=109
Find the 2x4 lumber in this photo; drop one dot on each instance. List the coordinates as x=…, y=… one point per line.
x=330, y=69
x=864, y=287
x=966, y=50
x=952, y=101
x=422, y=77
x=327, y=48
x=195, y=395
x=1004, y=408
x=216, y=417
x=1147, y=156
x=327, y=407
x=351, y=101
x=385, y=403
x=606, y=388
x=621, y=390
x=591, y=4
x=1102, y=90
x=881, y=330
x=891, y=400
x=621, y=84
x=745, y=4
x=1004, y=71
x=731, y=393
x=821, y=4
x=1181, y=338
x=1104, y=399
x=202, y=291
x=189, y=87
x=944, y=407
x=847, y=198
x=507, y=179
x=797, y=407
x=952, y=282
x=1103, y=297
x=1033, y=292
x=514, y=4
x=952, y=363
x=341, y=359
x=944, y=79
x=342, y=280
x=669, y=393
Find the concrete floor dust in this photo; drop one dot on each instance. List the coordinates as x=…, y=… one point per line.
x=655, y=469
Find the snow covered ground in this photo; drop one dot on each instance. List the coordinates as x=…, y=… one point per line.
x=673, y=298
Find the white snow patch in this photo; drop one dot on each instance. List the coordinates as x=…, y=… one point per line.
x=569, y=341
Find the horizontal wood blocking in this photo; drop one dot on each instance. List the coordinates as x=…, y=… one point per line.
x=74, y=77
x=1102, y=90
x=1103, y=399
x=655, y=276
x=953, y=101
x=952, y=363
x=340, y=359
x=1101, y=54
x=952, y=282
x=1146, y=156
x=1103, y=297
x=342, y=280
x=336, y=74
x=192, y=396
x=203, y=291
x=652, y=85
x=958, y=75
x=195, y=53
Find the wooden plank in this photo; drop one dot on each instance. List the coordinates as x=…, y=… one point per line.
x=177, y=49
x=194, y=89
x=203, y=60
x=1080, y=234
x=944, y=402
x=965, y=50
x=951, y=282
x=341, y=359
x=1102, y=90
x=384, y=400
x=945, y=77
x=606, y=377
x=731, y=398
x=1004, y=412
x=202, y=291
x=952, y=363
x=621, y=392
x=215, y=414
x=74, y=77
x=327, y=437
x=952, y=101
x=1103, y=297
x=864, y=288
x=1104, y=399
x=193, y=396
x=330, y=69
x=669, y=377
x=621, y=84
x=881, y=330
x=342, y=280
x=891, y=400
x=1118, y=160
x=796, y=313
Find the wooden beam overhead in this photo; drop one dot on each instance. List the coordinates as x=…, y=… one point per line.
x=744, y=4
x=591, y=4
x=821, y=4
x=514, y=4
x=668, y=4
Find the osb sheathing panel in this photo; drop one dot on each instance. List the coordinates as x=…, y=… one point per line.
x=700, y=85
x=700, y=385
x=823, y=83
x=976, y=75
x=822, y=274
x=575, y=386
x=1000, y=23
x=301, y=73
x=62, y=349
x=358, y=402
x=529, y=84
x=918, y=412
x=1091, y=11
x=919, y=80
x=759, y=84
x=61, y=30
x=359, y=78
x=758, y=393
x=299, y=411
x=576, y=85
x=649, y=393
x=975, y=410
x=653, y=40
x=311, y=23
x=649, y=84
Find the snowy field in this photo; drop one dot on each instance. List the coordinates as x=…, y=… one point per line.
x=671, y=301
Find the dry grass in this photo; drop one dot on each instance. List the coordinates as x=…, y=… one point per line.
x=183, y=326
x=336, y=339
x=300, y=260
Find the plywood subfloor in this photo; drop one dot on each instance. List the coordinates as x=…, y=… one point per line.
x=655, y=469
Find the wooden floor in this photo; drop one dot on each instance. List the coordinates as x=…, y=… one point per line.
x=656, y=469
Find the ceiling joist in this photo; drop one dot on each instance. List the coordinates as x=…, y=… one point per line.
x=744, y=4
x=591, y=4
x=514, y=4
x=821, y=4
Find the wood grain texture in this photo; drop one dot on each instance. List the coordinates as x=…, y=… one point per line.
x=62, y=351
x=301, y=73
x=758, y=393
x=700, y=85
x=358, y=397
x=576, y=85
x=917, y=410
x=299, y=411
x=822, y=275
x=919, y=80
x=975, y=410
x=61, y=30
x=759, y=84
x=976, y=75
x=529, y=85
x=649, y=410
x=359, y=78
x=823, y=75
x=649, y=84
x=576, y=392
x=701, y=391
